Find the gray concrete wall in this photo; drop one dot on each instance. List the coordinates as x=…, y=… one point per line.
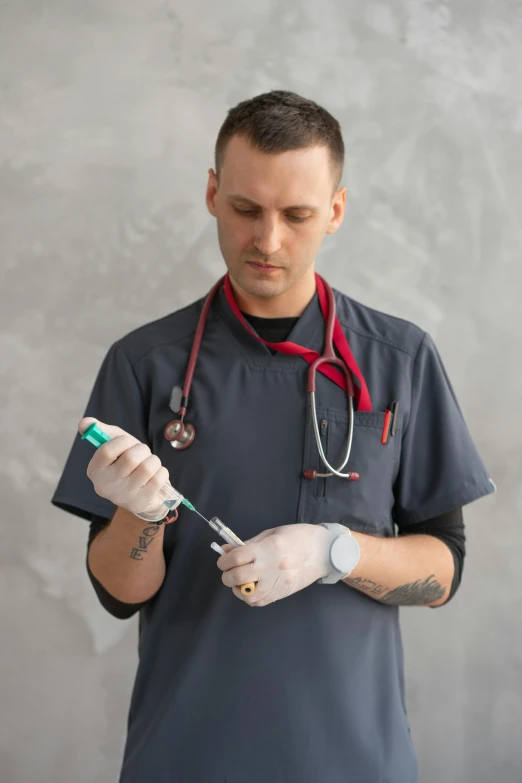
x=108, y=117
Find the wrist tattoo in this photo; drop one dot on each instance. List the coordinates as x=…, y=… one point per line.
x=145, y=540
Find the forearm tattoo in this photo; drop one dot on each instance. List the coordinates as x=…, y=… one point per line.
x=367, y=586
x=144, y=541
x=417, y=593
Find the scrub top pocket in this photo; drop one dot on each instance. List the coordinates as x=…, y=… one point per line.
x=366, y=504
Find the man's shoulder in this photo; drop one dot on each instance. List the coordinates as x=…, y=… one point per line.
x=376, y=325
x=168, y=330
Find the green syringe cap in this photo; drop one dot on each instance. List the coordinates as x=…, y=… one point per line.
x=95, y=435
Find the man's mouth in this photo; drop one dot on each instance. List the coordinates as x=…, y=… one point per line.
x=262, y=267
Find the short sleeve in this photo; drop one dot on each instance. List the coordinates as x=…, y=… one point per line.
x=440, y=467
x=115, y=399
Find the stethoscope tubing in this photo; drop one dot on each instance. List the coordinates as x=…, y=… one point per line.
x=196, y=345
x=333, y=471
x=328, y=357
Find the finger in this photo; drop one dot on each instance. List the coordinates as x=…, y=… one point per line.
x=138, y=464
x=238, y=556
x=149, y=491
x=240, y=576
x=109, y=452
x=242, y=555
x=85, y=423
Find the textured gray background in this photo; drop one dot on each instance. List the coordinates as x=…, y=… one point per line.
x=108, y=116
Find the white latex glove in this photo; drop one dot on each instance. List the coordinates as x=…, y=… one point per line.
x=282, y=561
x=125, y=471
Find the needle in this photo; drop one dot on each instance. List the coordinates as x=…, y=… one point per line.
x=212, y=524
x=189, y=505
x=202, y=517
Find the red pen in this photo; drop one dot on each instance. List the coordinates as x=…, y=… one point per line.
x=386, y=428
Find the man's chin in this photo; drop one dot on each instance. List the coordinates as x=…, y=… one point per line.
x=265, y=289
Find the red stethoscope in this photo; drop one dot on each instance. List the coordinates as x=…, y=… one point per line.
x=340, y=370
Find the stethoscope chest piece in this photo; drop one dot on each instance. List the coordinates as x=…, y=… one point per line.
x=180, y=434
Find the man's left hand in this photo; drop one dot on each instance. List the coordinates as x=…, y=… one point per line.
x=282, y=561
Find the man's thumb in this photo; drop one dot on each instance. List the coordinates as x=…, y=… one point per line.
x=110, y=429
x=85, y=423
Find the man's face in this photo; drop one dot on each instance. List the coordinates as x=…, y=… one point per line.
x=272, y=213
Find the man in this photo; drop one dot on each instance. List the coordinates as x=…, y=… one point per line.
x=309, y=687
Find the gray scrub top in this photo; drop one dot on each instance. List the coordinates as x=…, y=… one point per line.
x=310, y=688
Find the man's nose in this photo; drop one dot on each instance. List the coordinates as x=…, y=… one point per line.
x=268, y=237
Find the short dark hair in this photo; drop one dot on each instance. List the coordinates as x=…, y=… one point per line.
x=279, y=121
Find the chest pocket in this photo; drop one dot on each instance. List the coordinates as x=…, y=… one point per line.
x=363, y=505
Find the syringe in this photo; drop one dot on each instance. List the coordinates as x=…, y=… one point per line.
x=171, y=498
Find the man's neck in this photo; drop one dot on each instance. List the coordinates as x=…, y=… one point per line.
x=290, y=304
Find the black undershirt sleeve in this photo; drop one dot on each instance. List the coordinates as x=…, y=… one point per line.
x=117, y=608
x=449, y=528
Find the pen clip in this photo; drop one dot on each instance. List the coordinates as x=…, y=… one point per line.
x=395, y=416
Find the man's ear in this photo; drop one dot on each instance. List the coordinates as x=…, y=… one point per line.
x=337, y=211
x=212, y=189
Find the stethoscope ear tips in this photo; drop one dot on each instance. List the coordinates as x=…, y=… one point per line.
x=180, y=434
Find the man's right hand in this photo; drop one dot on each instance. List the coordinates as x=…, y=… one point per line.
x=125, y=471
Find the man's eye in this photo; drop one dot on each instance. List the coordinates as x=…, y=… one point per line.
x=251, y=212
